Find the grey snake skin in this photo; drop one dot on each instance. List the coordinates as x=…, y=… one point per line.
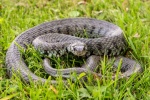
x=104, y=38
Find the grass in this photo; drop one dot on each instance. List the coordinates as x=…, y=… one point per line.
x=132, y=16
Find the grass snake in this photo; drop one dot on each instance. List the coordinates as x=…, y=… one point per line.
x=87, y=37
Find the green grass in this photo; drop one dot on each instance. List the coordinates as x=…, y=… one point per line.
x=133, y=16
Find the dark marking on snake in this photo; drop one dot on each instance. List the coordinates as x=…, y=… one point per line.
x=67, y=29
x=58, y=30
x=92, y=29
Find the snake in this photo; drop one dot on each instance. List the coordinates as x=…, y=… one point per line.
x=87, y=37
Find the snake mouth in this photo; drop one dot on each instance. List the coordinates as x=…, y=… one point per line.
x=79, y=53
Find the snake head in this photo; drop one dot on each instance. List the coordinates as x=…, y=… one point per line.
x=77, y=48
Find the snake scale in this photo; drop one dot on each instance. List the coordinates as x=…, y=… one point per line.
x=81, y=36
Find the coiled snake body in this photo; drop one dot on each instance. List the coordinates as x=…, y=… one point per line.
x=58, y=37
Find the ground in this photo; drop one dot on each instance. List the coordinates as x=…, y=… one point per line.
x=133, y=16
